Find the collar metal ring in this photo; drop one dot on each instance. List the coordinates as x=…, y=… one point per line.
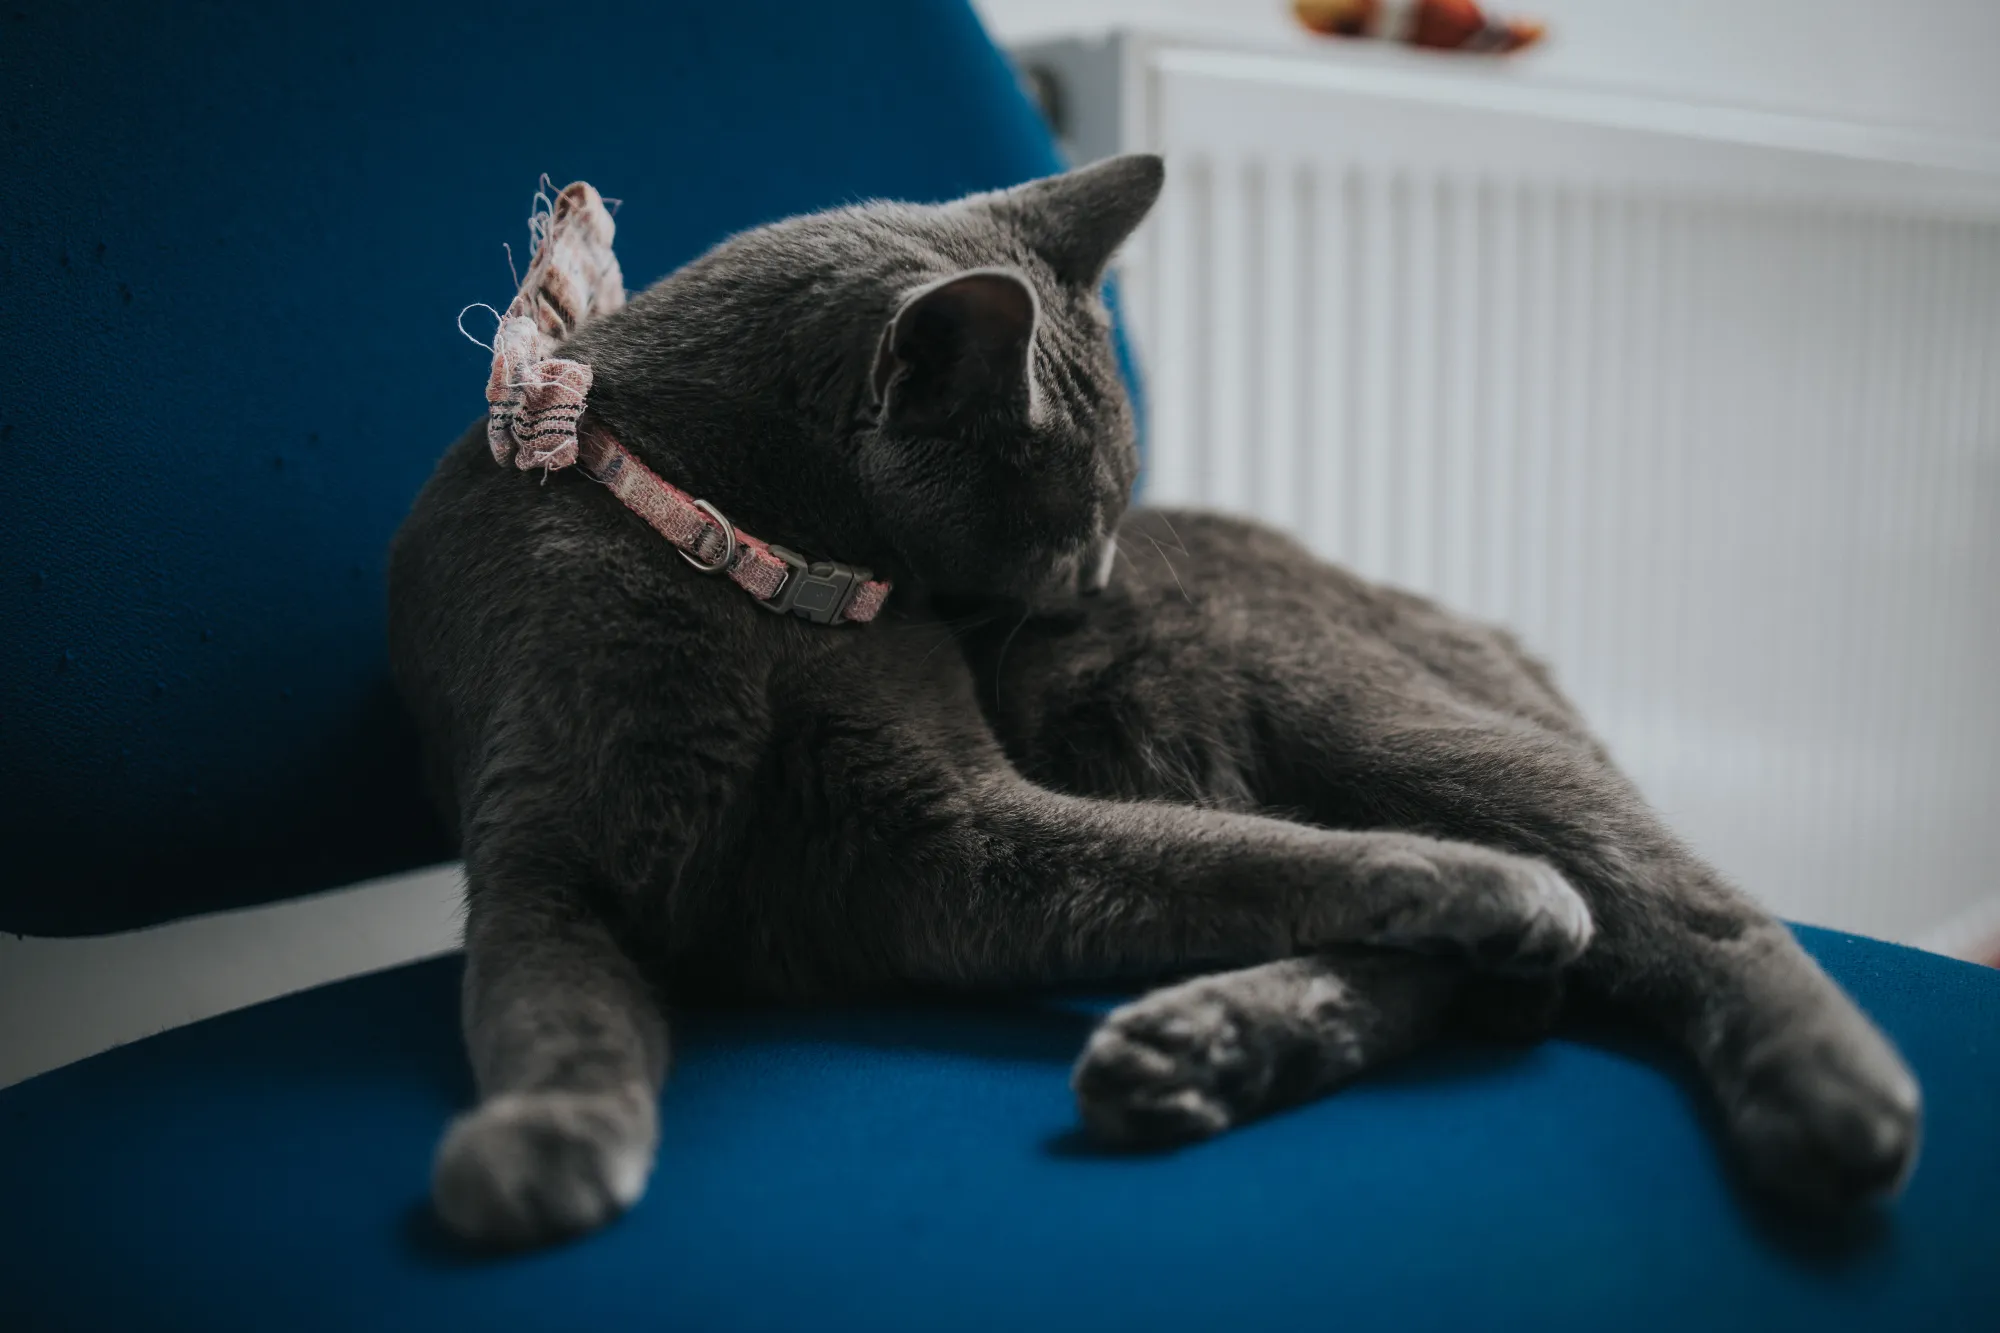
x=728, y=537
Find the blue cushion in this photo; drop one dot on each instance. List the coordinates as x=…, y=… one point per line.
x=915, y=1168
x=236, y=239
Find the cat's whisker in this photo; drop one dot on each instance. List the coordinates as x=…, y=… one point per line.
x=1179, y=545
x=1170, y=568
x=1000, y=662
x=958, y=629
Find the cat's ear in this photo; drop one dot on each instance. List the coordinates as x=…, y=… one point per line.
x=955, y=349
x=1077, y=221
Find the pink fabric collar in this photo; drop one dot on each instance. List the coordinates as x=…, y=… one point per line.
x=825, y=592
x=535, y=402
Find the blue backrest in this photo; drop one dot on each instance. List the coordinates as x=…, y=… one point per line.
x=235, y=240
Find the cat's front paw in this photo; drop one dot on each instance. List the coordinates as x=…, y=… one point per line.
x=1505, y=913
x=1827, y=1119
x=528, y=1168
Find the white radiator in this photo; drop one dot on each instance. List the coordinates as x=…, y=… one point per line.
x=1704, y=404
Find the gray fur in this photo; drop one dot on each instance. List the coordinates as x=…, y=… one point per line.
x=1232, y=755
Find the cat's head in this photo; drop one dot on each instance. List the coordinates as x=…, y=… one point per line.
x=934, y=382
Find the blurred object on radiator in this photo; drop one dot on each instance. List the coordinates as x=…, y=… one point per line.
x=1444, y=25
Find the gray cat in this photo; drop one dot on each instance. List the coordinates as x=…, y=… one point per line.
x=1056, y=756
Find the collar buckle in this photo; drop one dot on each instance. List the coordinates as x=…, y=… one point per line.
x=818, y=590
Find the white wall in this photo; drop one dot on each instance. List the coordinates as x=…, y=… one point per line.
x=1919, y=63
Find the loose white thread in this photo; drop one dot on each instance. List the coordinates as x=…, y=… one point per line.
x=479, y=305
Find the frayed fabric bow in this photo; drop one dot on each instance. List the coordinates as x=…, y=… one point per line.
x=534, y=398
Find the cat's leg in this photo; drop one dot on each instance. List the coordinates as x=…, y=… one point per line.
x=569, y=1048
x=1032, y=886
x=1818, y=1101
x=1189, y=1061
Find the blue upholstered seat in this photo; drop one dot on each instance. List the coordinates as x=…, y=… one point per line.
x=235, y=241
x=891, y=1169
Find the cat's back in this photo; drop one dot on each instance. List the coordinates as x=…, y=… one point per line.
x=1228, y=566
x=1203, y=574
x=536, y=602
x=480, y=559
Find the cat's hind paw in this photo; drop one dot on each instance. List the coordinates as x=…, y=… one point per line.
x=528, y=1168
x=1193, y=1060
x=1828, y=1120
x=1156, y=1074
